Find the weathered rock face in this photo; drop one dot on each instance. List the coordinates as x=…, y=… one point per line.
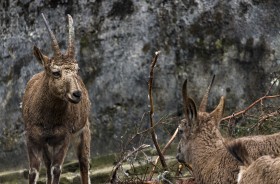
x=238, y=40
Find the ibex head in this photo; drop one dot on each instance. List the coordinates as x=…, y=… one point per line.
x=61, y=69
x=197, y=124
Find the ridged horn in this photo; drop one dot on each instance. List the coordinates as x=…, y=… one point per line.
x=203, y=104
x=217, y=113
x=55, y=46
x=71, y=45
x=185, y=96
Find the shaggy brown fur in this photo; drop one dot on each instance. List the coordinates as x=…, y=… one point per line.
x=260, y=145
x=55, y=112
x=265, y=169
x=202, y=145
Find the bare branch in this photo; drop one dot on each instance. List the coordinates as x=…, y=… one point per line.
x=153, y=134
x=250, y=106
x=163, y=151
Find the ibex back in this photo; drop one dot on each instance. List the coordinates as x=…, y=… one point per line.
x=264, y=169
x=55, y=111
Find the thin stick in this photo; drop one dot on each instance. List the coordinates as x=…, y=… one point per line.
x=153, y=134
x=265, y=117
x=250, y=106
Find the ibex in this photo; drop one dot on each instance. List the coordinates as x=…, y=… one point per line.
x=203, y=146
x=265, y=169
x=55, y=111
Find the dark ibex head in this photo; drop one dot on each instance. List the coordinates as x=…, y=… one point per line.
x=61, y=69
x=196, y=123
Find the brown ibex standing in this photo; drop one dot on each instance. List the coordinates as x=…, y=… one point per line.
x=55, y=111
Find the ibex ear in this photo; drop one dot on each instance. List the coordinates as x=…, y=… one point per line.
x=190, y=110
x=189, y=105
x=40, y=57
x=218, y=112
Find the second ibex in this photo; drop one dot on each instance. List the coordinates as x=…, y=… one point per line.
x=55, y=110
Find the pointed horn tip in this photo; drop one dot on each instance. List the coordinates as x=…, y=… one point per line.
x=185, y=82
x=185, y=85
x=222, y=101
x=213, y=78
x=70, y=19
x=44, y=18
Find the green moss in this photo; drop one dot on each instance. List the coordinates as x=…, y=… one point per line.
x=218, y=44
x=14, y=177
x=100, y=177
x=84, y=41
x=102, y=161
x=71, y=166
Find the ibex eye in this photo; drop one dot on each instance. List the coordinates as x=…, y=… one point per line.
x=56, y=73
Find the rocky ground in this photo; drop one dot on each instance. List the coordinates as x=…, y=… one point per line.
x=100, y=172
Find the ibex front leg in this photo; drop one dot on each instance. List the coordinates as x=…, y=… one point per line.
x=83, y=152
x=34, y=152
x=58, y=159
x=48, y=162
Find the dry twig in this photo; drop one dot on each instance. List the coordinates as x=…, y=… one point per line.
x=163, y=151
x=153, y=134
x=250, y=107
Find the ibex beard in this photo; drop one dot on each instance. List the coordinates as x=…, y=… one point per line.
x=55, y=111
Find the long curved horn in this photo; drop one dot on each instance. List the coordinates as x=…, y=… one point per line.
x=203, y=104
x=55, y=46
x=71, y=45
x=185, y=96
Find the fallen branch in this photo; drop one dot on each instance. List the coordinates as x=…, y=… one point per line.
x=113, y=179
x=153, y=134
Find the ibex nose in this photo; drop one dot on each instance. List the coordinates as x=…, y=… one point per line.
x=77, y=94
x=179, y=158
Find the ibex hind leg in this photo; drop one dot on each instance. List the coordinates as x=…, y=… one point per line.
x=83, y=153
x=34, y=153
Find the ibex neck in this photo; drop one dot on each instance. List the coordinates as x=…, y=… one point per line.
x=210, y=140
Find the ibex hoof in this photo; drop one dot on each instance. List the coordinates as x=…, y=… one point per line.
x=56, y=170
